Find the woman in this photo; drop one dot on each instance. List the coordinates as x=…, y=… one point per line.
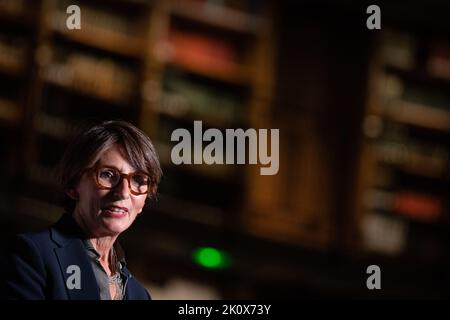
x=107, y=174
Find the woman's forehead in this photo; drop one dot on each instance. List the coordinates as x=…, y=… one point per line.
x=115, y=156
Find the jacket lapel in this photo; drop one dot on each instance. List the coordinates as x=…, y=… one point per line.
x=129, y=294
x=73, y=261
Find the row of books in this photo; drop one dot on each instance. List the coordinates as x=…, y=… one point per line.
x=184, y=97
x=104, y=29
x=98, y=18
x=54, y=126
x=209, y=53
x=409, y=103
x=201, y=51
x=383, y=233
x=9, y=111
x=418, y=115
x=422, y=158
x=438, y=63
x=13, y=7
x=410, y=90
x=407, y=87
x=101, y=77
x=224, y=6
x=399, y=49
x=413, y=104
x=412, y=204
x=12, y=54
x=240, y=16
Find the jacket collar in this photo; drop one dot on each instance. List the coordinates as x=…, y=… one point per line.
x=79, y=278
x=66, y=230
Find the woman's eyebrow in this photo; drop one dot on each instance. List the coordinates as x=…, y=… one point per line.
x=104, y=165
x=133, y=170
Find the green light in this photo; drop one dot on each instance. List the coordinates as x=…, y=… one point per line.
x=211, y=258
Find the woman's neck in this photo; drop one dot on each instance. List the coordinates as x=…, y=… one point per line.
x=103, y=246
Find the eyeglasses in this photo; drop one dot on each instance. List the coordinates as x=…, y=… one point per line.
x=109, y=178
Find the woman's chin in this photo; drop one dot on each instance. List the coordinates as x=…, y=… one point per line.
x=115, y=225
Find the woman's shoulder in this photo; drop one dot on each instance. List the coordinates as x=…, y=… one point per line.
x=35, y=236
x=136, y=291
x=42, y=239
x=36, y=240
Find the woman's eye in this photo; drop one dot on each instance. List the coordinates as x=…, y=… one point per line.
x=107, y=174
x=140, y=179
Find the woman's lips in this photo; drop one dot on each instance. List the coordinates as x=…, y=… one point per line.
x=115, y=211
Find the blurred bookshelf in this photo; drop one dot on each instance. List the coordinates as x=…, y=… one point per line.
x=405, y=169
x=163, y=64
x=18, y=20
x=204, y=65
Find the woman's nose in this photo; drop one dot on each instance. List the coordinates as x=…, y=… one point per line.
x=122, y=189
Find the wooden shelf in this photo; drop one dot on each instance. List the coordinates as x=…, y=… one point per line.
x=54, y=127
x=129, y=4
x=69, y=86
x=237, y=75
x=10, y=112
x=13, y=60
x=388, y=208
x=22, y=20
x=412, y=151
x=217, y=16
x=425, y=172
x=12, y=71
x=207, y=120
x=430, y=221
x=103, y=39
x=420, y=77
x=83, y=92
x=415, y=114
x=108, y=41
x=402, y=157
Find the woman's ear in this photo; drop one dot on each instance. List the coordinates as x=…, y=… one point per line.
x=73, y=194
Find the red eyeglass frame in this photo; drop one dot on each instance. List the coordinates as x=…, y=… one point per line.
x=122, y=176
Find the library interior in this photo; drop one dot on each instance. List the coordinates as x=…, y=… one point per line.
x=363, y=116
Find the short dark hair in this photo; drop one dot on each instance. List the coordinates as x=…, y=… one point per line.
x=88, y=145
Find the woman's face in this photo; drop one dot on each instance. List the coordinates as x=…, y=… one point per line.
x=107, y=212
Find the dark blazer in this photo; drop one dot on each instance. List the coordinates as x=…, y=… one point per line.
x=38, y=267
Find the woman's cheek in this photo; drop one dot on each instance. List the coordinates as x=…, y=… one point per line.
x=140, y=205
